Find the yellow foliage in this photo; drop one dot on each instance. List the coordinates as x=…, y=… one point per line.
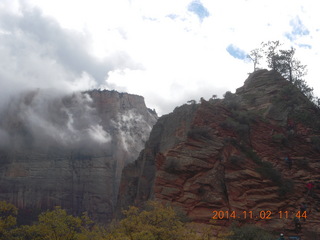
x=154, y=222
x=8, y=213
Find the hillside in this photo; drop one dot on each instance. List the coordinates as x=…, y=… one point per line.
x=228, y=155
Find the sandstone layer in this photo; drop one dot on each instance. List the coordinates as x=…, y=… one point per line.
x=228, y=155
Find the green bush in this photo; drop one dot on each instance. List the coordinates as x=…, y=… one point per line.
x=267, y=170
x=231, y=101
x=243, y=117
x=239, y=128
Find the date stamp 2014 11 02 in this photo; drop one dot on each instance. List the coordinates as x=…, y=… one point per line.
x=267, y=214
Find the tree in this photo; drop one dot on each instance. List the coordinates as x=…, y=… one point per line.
x=232, y=101
x=156, y=222
x=58, y=225
x=255, y=56
x=284, y=62
x=272, y=54
x=8, y=214
x=290, y=67
x=305, y=89
x=192, y=102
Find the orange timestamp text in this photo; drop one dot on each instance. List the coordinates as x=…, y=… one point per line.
x=258, y=214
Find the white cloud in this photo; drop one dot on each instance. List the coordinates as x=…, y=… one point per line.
x=97, y=133
x=170, y=60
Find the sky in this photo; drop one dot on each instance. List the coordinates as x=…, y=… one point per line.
x=169, y=52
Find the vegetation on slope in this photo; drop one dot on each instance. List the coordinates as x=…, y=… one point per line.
x=154, y=222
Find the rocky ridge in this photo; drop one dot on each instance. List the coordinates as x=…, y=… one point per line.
x=228, y=155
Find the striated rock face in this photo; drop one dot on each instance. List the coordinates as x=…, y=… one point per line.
x=70, y=150
x=229, y=156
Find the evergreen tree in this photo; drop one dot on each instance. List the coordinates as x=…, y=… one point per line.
x=284, y=62
x=272, y=54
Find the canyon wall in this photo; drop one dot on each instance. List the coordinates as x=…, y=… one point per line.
x=69, y=151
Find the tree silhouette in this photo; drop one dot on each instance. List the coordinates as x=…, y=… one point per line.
x=255, y=55
x=284, y=62
x=289, y=66
x=272, y=54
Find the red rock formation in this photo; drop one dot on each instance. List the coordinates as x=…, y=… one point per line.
x=229, y=156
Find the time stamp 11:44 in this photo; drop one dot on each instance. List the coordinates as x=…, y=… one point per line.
x=258, y=214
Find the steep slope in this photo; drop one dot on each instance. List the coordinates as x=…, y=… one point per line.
x=70, y=150
x=228, y=155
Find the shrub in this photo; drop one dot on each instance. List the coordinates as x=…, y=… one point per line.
x=286, y=186
x=250, y=98
x=288, y=95
x=266, y=169
x=250, y=154
x=239, y=128
x=199, y=132
x=201, y=191
x=172, y=166
x=231, y=101
x=279, y=138
x=243, y=117
x=307, y=117
x=236, y=160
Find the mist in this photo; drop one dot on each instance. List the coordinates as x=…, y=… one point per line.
x=43, y=119
x=43, y=71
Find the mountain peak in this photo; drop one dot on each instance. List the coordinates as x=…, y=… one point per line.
x=229, y=156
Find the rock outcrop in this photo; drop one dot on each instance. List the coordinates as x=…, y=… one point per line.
x=228, y=155
x=70, y=150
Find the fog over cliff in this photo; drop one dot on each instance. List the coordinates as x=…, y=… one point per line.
x=59, y=149
x=44, y=69
x=44, y=118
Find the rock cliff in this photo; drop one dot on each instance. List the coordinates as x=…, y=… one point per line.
x=70, y=150
x=228, y=155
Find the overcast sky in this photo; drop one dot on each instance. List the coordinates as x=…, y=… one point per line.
x=167, y=51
